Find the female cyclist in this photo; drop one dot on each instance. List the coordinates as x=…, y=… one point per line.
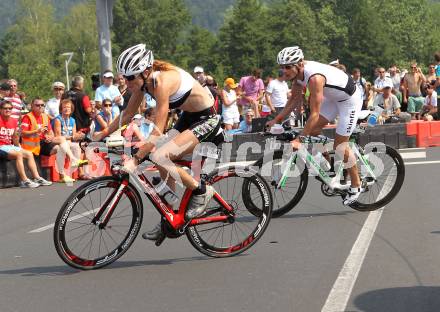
x=172, y=88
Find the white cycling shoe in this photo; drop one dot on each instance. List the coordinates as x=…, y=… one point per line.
x=352, y=195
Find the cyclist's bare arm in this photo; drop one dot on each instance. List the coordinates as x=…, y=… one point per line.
x=316, y=87
x=136, y=99
x=294, y=100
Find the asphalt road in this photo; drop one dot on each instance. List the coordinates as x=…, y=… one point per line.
x=293, y=267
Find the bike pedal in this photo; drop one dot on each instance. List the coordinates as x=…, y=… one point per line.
x=160, y=240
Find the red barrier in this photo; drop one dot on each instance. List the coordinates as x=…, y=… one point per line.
x=99, y=165
x=427, y=132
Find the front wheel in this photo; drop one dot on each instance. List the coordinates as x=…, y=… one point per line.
x=288, y=196
x=244, y=228
x=80, y=240
x=389, y=169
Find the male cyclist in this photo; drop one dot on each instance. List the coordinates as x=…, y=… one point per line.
x=172, y=88
x=332, y=93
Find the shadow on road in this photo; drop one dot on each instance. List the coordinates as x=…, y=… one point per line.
x=402, y=299
x=310, y=215
x=63, y=270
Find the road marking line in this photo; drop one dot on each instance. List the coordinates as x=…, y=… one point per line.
x=422, y=162
x=412, y=149
x=50, y=226
x=413, y=155
x=343, y=286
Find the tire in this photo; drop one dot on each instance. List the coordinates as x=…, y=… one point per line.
x=246, y=228
x=286, y=198
x=393, y=169
x=114, y=239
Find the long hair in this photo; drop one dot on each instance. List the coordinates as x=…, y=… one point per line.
x=159, y=65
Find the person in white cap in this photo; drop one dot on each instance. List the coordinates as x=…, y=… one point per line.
x=53, y=105
x=199, y=75
x=109, y=91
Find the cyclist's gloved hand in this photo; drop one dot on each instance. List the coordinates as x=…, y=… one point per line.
x=130, y=165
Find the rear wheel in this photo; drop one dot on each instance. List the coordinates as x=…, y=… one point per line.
x=285, y=198
x=83, y=243
x=389, y=169
x=244, y=228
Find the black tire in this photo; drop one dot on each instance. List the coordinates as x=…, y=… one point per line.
x=378, y=196
x=124, y=223
x=286, y=198
x=252, y=226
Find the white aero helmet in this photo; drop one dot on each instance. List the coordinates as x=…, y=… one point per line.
x=290, y=55
x=134, y=60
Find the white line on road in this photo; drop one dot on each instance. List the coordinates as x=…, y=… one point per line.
x=423, y=162
x=50, y=226
x=343, y=286
x=413, y=155
x=411, y=149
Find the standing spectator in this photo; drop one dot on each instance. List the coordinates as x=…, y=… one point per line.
x=230, y=114
x=431, y=76
x=199, y=75
x=9, y=148
x=53, y=105
x=277, y=92
x=396, y=79
x=82, y=104
x=251, y=89
x=265, y=109
x=5, y=88
x=14, y=98
x=381, y=81
x=38, y=137
x=122, y=86
x=361, y=85
x=109, y=91
x=411, y=90
x=429, y=109
x=437, y=75
x=65, y=126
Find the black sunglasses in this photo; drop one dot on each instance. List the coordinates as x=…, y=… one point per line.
x=287, y=66
x=131, y=77
x=7, y=108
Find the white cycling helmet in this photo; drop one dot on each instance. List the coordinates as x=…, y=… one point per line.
x=290, y=55
x=134, y=60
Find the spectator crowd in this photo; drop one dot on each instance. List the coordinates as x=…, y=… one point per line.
x=56, y=126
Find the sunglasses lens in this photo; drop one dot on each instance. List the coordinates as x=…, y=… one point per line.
x=130, y=78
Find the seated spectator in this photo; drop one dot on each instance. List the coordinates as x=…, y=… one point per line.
x=38, y=137
x=429, y=110
x=104, y=117
x=139, y=129
x=109, y=91
x=10, y=149
x=412, y=95
x=64, y=125
x=53, y=105
x=230, y=113
x=391, y=106
x=246, y=124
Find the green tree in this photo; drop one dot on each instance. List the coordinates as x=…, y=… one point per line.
x=28, y=51
x=156, y=23
x=81, y=37
x=244, y=40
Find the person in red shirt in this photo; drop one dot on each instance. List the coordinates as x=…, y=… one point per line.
x=9, y=148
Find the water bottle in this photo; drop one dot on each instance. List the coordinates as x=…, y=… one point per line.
x=372, y=119
x=164, y=191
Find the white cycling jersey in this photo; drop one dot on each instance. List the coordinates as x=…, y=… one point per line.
x=341, y=96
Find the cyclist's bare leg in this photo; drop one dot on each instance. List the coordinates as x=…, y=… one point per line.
x=181, y=145
x=352, y=167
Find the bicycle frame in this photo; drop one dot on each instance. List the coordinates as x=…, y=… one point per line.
x=176, y=220
x=332, y=182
